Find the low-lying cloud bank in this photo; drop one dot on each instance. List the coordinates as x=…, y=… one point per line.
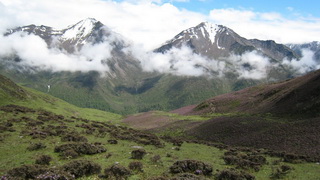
x=34, y=52
x=250, y=65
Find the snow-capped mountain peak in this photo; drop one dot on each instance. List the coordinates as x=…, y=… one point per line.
x=203, y=30
x=80, y=31
x=74, y=37
x=218, y=42
x=210, y=30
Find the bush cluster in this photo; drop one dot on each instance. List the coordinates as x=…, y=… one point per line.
x=80, y=168
x=117, y=171
x=138, y=153
x=73, y=150
x=228, y=174
x=191, y=166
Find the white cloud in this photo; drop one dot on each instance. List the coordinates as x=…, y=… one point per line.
x=306, y=64
x=251, y=65
x=266, y=26
x=179, y=61
x=34, y=52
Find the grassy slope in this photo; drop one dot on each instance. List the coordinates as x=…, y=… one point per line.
x=38, y=100
x=14, y=153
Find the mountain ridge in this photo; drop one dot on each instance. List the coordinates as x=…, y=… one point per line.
x=216, y=41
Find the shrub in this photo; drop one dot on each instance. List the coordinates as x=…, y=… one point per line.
x=36, y=146
x=138, y=153
x=136, y=166
x=292, y=158
x=174, y=141
x=112, y=141
x=108, y=155
x=117, y=171
x=26, y=172
x=186, y=176
x=280, y=172
x=43, y=160
x=245, y=161
x=74, y=137
x=76, y=149
x=80, y=168
x=69, y=153
x=158, y=178
x=228, y=174
x=155, y=158
x=55, y=175
x=191, y=166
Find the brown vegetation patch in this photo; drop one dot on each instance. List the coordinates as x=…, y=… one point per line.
x=37, y=172
x=55, y=174
x=26, y=172
x=146, y=121
x=244, y=160
x=280, y=172
x=76, y=149
x=112, y=141
x=191, y=166
x=80, y=168
x=136, y=166
x=6, y=126
x=36, y=146
x=74, y=137
x=43, y=160
x=228, y=174
x=300, y=137
x=137, y=136
x=187, y=176
x=16, y=109
x=138, y=153
x=175, y=141
x=117, y=171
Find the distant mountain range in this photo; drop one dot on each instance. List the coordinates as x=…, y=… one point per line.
x=126, y=87
x=313, y=46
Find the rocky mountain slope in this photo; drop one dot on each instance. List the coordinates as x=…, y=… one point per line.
x=218, y=41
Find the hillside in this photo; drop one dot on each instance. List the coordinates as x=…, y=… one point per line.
x=280, y=116
x=43, y=137
x=295, y=97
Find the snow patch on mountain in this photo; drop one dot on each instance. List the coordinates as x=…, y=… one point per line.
x=80, y=30
x=211, y=30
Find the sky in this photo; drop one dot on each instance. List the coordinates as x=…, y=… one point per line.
x=288, y=8
x=149, y=23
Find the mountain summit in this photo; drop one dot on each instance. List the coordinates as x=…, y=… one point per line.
x=74, y=36
x=218, y=41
